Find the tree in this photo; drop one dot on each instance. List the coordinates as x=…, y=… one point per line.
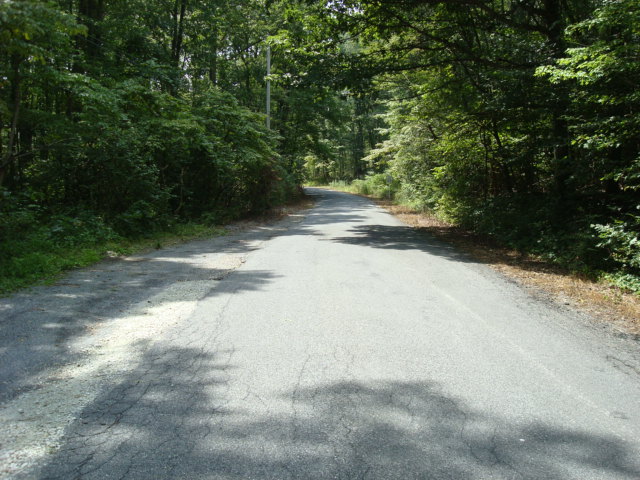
x=35, y=40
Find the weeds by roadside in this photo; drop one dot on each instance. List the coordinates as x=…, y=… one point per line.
x=33, y=252
x=40, y=256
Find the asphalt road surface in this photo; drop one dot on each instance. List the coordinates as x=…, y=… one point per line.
x=338, y=344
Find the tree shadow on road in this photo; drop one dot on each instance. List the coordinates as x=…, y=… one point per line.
x=36, y=331
x=320, y=218
x=173, y=418
x=341, y=208
x=400, y=238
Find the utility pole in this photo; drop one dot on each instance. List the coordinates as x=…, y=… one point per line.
x=268, y=86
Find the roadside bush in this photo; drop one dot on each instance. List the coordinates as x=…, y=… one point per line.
x=80, y=229
x=620, y=240
x=376, y=185
x=36, y=243
x=626, y=281
x=285, y=188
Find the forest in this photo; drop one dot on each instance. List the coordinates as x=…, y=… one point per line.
x=517, y=119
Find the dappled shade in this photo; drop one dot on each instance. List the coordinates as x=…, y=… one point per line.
x=158, y=422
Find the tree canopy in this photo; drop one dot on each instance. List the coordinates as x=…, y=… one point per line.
x=519, y=119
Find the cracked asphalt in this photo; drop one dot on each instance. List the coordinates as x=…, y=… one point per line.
x=338, y=344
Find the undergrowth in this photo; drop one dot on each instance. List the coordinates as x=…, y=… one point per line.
x=36, y=250
x=38, y=243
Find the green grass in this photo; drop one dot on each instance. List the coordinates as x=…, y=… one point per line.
x=340, y=185
x=374, y=186
x=35, y=257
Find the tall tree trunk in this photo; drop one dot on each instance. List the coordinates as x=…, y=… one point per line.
x=555, y=25
x=358, y=144
x=177, y=36
x=177, y=39
x=91, y=13
x=6, y=164
x=213, y=56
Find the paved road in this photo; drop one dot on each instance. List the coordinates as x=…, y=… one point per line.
x=342, y=345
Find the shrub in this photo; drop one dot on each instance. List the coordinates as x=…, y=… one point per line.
x=620, y=239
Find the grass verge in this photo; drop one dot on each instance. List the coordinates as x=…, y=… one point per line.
x=39, y=260
x=37, y=257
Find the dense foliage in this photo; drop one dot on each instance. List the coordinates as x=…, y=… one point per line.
x=519, y=119
x=116, y=109
x=125, y=118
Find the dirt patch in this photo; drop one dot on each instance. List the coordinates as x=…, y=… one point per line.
x=603, y=302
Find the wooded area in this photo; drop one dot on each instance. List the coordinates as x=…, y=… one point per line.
x=518, y=119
